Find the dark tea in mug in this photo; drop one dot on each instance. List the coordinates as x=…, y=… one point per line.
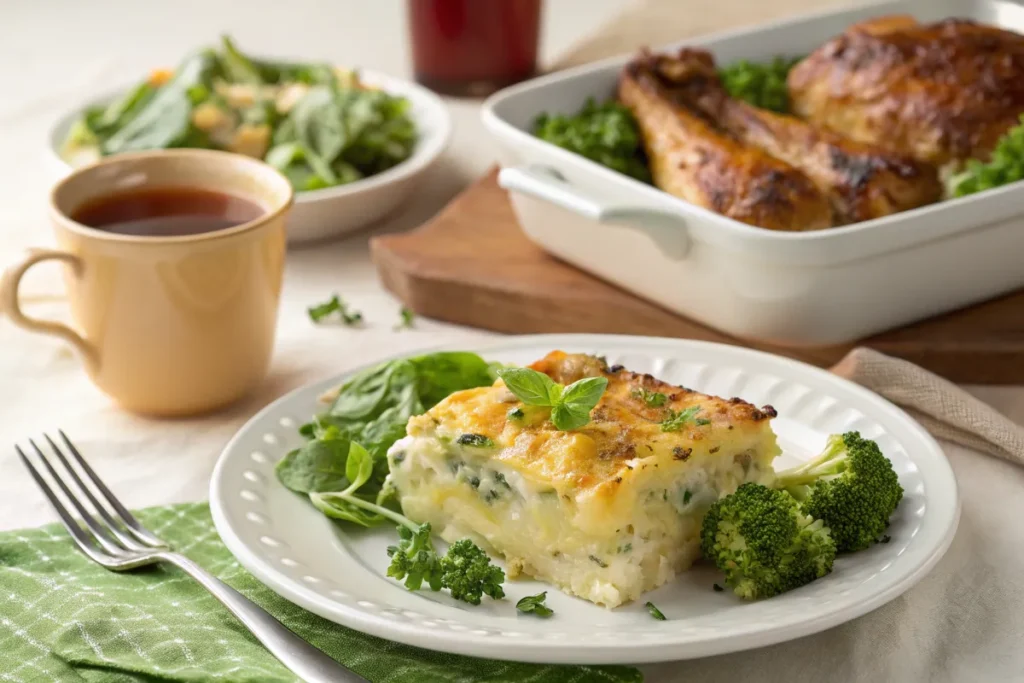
x=166, y=212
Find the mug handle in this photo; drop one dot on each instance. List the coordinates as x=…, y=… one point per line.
x=10, y=305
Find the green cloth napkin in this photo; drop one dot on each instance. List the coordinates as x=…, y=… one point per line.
x=64, y=618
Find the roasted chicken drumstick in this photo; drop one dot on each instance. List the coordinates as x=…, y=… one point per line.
x=862, y=181
x=692, y=158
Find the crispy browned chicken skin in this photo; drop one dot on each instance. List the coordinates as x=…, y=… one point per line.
x=937, y=92
x=862, y=181
x=691, y=158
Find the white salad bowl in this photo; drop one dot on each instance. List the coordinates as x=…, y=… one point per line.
x=794, y=289
x=334, y=211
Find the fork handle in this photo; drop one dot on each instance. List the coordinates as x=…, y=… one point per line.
x=301, y=658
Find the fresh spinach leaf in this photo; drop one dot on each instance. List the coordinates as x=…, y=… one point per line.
x=336, y=507
x=166, y=119
x=372, y=408
x=318, y=465
x=439, y=375
x=290, y=159
x=237, y=67
x=103, y=122
x=287, y=72
x=371, y=392
x=358, y=466
x=347, y=504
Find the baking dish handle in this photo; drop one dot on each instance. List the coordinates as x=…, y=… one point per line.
x=542, y=182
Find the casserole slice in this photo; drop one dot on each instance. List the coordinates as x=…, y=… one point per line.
x=604, y=512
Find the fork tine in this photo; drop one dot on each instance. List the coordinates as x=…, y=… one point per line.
x=126, y=539
x=81, y=538
x=101, y=535
x=141, y=533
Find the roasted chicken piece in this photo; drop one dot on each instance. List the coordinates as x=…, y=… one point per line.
x=691, y=158
x=862, y=181
x=941, y=92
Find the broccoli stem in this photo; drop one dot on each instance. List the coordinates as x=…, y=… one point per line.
x=831, y=461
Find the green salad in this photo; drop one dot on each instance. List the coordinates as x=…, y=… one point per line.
x=317, y=124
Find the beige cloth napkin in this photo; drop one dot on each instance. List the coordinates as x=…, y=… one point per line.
x=944, y=409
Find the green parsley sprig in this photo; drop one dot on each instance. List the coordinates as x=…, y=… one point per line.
x=653, y=399
x=320, y=312
x=1006, y=166
x=606, y=133
x=677, y=420
x=761, y=84
x=570, y=405
x=406, y=318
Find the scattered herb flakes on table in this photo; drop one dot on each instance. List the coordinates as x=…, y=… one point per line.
x=318, y=125
x=321, y=312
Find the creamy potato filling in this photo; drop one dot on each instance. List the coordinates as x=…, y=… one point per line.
x=463, y=492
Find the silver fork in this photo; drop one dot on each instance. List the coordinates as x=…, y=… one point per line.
x=114, y=538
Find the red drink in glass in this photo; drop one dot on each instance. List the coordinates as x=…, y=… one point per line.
x=473, y=47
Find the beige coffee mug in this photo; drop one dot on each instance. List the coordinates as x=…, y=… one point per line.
x=167, y=325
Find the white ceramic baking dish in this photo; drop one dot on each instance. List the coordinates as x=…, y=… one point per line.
x=797, y=289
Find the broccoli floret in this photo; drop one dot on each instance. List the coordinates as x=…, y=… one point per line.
x=414, y=559
x=851, y=487
x=468, y=573
x=764, y=543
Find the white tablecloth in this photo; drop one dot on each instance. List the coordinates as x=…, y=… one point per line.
x=962, y=623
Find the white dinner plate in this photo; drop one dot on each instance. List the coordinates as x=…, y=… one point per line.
x=338, y=572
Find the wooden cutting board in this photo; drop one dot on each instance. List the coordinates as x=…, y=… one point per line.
x=472, y=265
